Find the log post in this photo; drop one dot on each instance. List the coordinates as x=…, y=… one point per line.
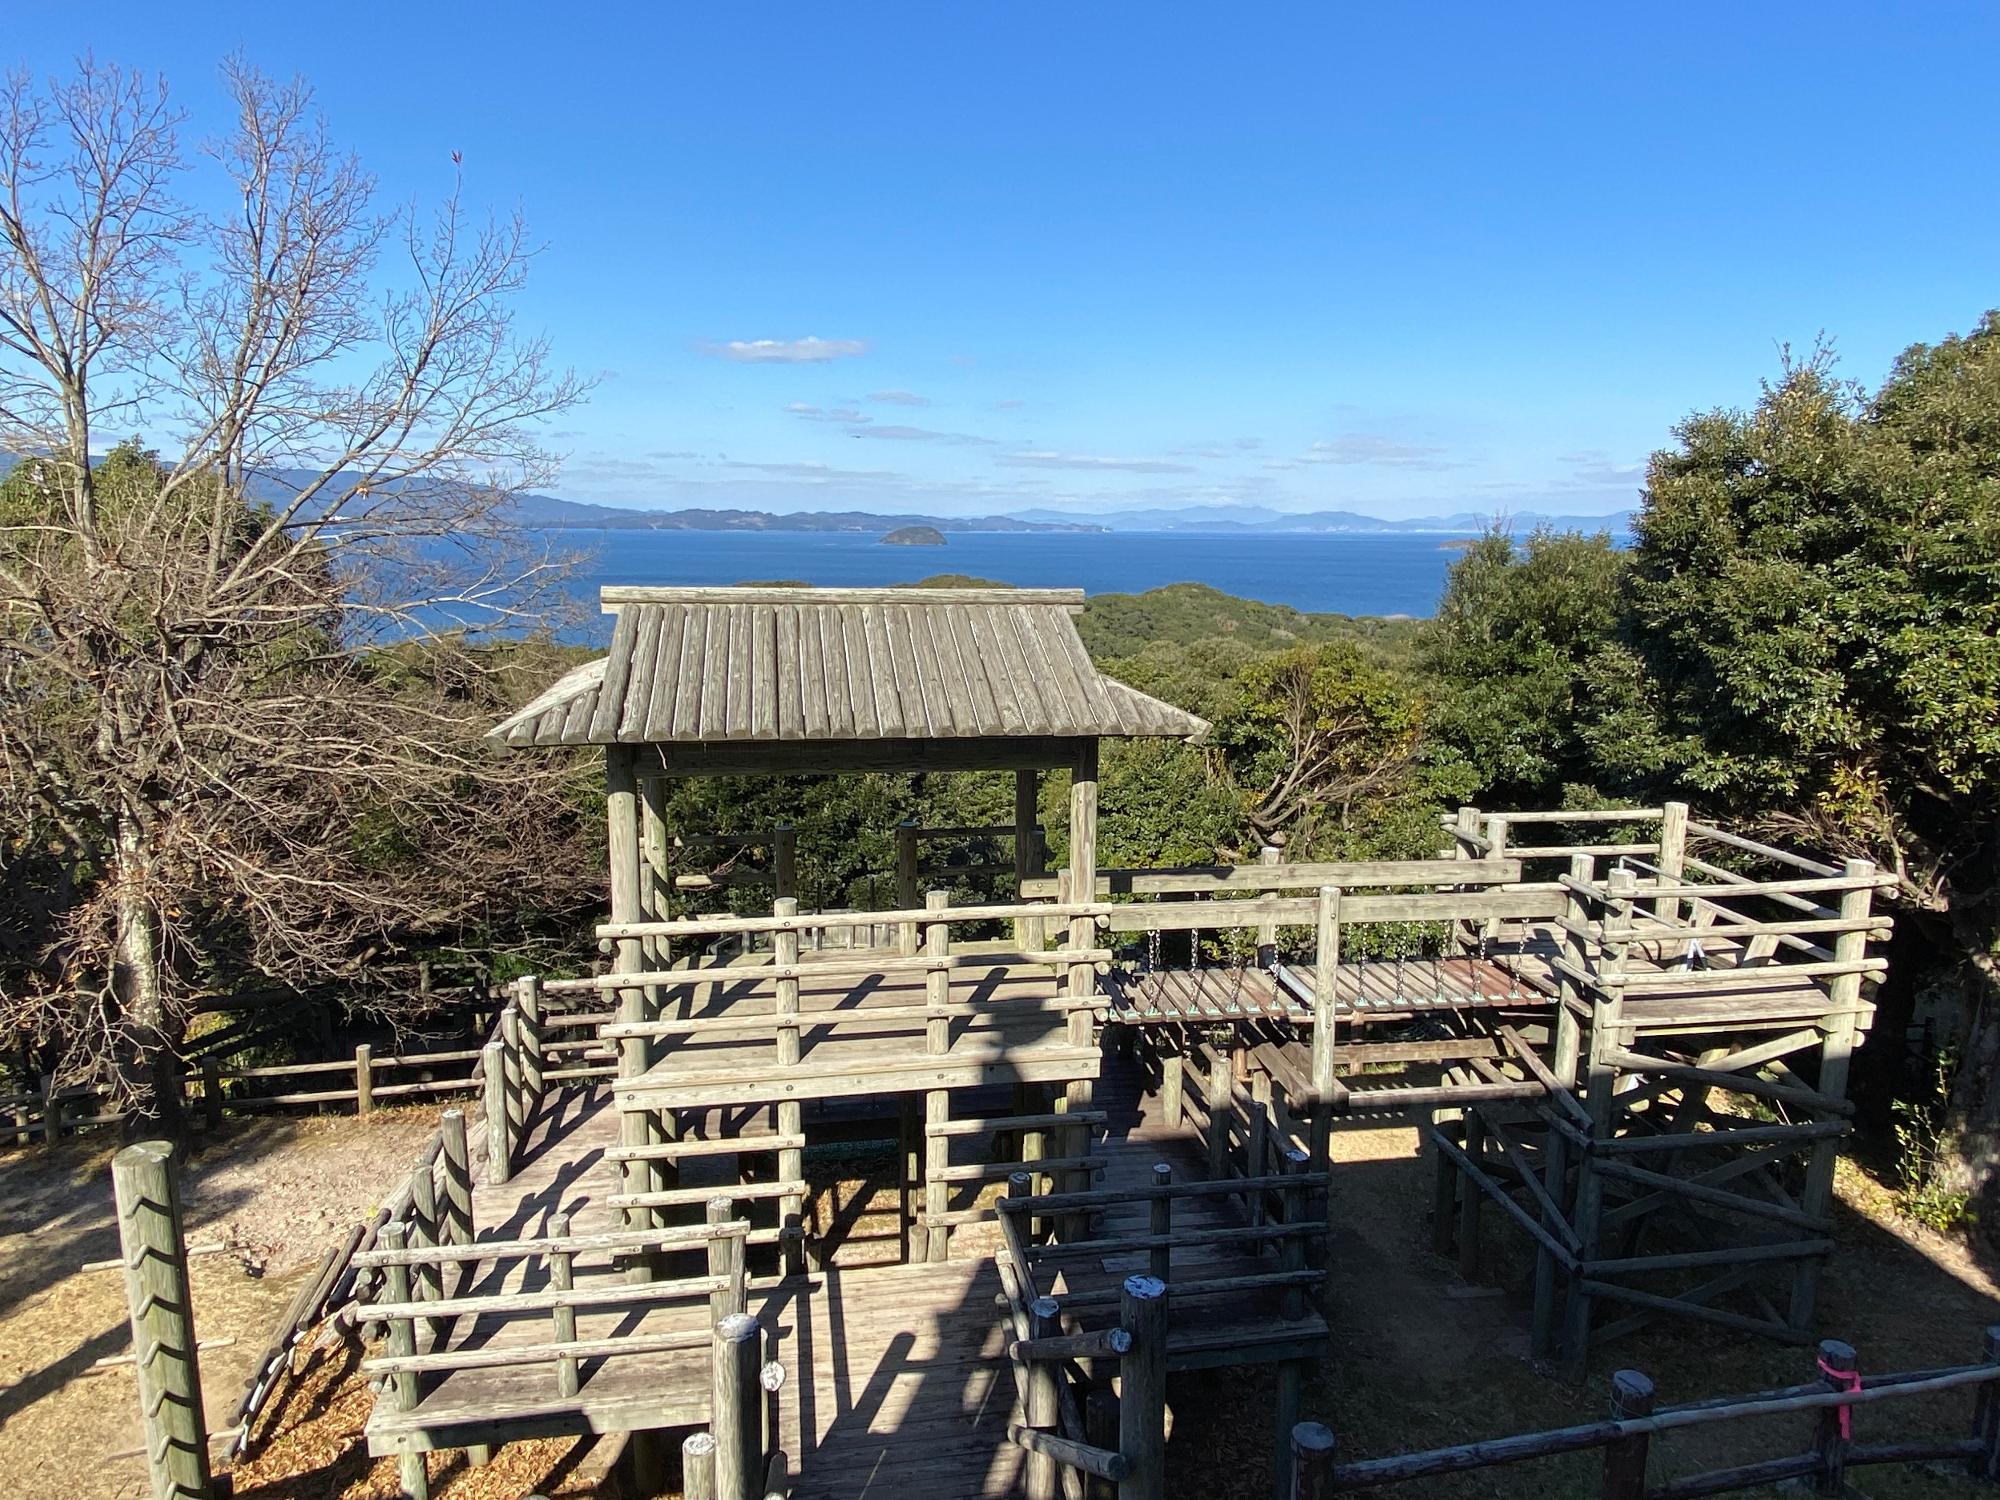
x=622, y=847
x=698, y=1466
x=791, y=1114
x=1142, y=1403
x=1496, y=848
x=1312, y=1462
x=1291, y=1372
x=737, y=1408
x=499, y=1150
x=528, y=996
x=725, y=1259
x=910, y=1147
x=1161, y=1223
x=1625, y=1458
x=146, y=1185
x=906, y=884
x=211, y=1094
x=1985, y=1464
x=403, y=1345
x=562, y=1277
x=936, y=943
x=1838, y=1036
x=1672, y=863
x=1465, y=845
x=785, y=862
x=1044, y=1321
x=1326, y=990
x=514, y=1065
x=1080, y=979
x=1028, y=931
x=1471, y=1200
x=429, y=1275
x=1833, y=1431
x=364, y=1080
x=1221, y=1102
x=1173, y=1069
x=457, y=1174
x=1267, y=932
x=1607, y=1035
x=52, y=1110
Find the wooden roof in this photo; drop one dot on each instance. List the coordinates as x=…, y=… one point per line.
x=739, y=665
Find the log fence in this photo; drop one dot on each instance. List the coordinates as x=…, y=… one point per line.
x=1832, y=1400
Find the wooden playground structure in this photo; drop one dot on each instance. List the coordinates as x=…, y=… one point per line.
x=1111, y=1094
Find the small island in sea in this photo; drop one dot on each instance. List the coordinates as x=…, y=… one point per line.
x=914, y=536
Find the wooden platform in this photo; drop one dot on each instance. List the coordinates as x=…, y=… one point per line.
x=896, y=1375
x=1019, y=1036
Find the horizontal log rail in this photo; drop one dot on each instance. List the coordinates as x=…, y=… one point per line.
x=1626, y=1435
x=1347, y=874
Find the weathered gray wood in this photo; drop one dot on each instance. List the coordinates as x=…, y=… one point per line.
x=1326, y=969
x=414, y=1475
x=1625, y=1458
x=1044, y=1326
x=1092, y=1460
x=561, y=1278
x=1142, y=1402
x=364, y=1080
x=698, y=1466
x=1160, y=1224
x=146, y=1187
x=1832, y=1433
x=738, y=1409
x=499, y=1143
x=1313, y=1448
x=456, y=1157
x=1269, y=875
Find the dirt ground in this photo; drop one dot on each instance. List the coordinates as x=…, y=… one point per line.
x=275, y=1192
x=1419, y=1358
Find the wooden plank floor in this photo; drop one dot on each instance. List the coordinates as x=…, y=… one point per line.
x=896, y=1375
x=844, y=1052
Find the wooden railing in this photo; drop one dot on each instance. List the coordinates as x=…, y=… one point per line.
x=1830, y=1399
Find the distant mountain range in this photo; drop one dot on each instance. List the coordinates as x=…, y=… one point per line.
x=549, y=512
x=1259, y=518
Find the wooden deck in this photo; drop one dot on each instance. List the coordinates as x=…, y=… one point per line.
x=846, y=1049
x=895, y=1375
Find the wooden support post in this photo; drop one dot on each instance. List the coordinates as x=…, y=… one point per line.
x=364, y=1080
x=1839, y=1035
x=910, y=1144
x=1284, y=1418
x=1465, y=835
x=791, y=1117
x=1221, y=1103
x=424, y=1235
x=1044, y=1321
x=516, y=1092
x=1267, y=932
x=403, y=1345
x=1161, y=1214
x=1291, y=1372
x=725, y=1259
x=499, y=1149
x=936, y=942
x=1625, y=1458
x=1672, y=863
x=1312, y=1462
x=622, y=848
x=1326, y=987
x=528, y=997
x=1985, y=1464
x=737, y=1408
x=1496, y=848
x=145, y=1183
x=1607, y=1035
x=1173, y=1068
x=1257, y=1147
x=457, y=1159
x=1835, y=1364
x=1080, y=980
x=1028, y=931
x=1100, y=1430
x=698, y=1466
x=1142, y=1403
x=906, y=884
x=562, y=1277
x=785, y=862
x=1471, y=1199
x=211, y=1096
x=52, y=1110
x=1444, y=1189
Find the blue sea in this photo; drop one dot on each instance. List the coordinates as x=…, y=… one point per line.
x=1385, y=573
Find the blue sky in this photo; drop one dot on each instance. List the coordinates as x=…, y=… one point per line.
x=969, y=259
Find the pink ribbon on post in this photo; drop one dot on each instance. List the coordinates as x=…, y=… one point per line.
x=1848, y=1381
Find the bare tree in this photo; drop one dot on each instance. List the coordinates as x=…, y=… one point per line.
x=238, y=712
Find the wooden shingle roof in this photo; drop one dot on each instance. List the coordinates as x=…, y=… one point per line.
x=733, y=665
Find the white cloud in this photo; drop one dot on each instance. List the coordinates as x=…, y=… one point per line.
x=899, y=398
x=916, y=435
x=1089, y=461
x=809, y=350
x=1012, y=403
x=1379, y=452
x=813, y=413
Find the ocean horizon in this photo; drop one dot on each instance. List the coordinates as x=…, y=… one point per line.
x=1368, y=573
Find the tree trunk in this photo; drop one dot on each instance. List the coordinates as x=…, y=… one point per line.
x=147, y=1062
x=1969, y=1159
